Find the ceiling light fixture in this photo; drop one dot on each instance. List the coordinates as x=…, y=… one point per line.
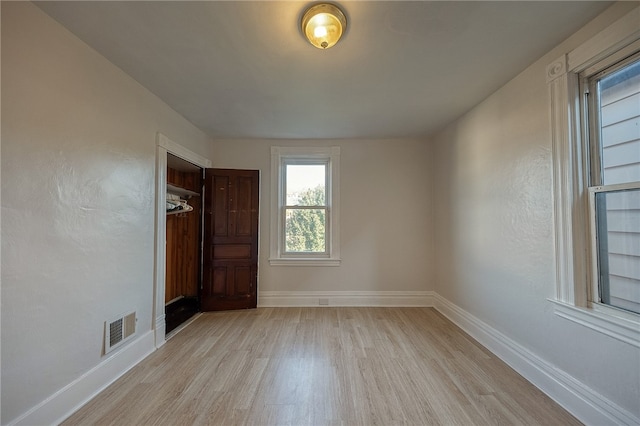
x=323, y=25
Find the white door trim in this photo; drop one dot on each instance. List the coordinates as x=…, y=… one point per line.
x=164, y=146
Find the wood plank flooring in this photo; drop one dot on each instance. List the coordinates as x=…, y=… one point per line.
x=322, y=366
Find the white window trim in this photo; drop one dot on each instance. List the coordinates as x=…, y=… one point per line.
x=570, y=170
x=277, y=256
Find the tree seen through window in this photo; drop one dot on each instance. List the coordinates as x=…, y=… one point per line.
x=306, y=203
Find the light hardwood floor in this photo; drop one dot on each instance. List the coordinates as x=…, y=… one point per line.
x=322, y=366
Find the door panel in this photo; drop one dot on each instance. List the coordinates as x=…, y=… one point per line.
x=232, y=251
x=220, y=198
x=230, y=239
x=243, y=224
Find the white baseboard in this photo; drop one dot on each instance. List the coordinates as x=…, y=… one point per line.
x=273, y=299
x=583, y=402
x=67, y=400
x=160, y=330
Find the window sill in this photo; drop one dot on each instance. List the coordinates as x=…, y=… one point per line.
x=304, y=262
x=623, y=329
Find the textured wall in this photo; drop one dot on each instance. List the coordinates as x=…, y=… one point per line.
x=494, y=230
x=78, y=167
x=386, y=215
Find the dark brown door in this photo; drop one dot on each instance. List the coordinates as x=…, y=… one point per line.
x=230, y=266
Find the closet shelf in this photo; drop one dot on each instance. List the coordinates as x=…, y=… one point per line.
x=181, y=191
x=177, y=212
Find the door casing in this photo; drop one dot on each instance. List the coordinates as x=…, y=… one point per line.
x=165, y=145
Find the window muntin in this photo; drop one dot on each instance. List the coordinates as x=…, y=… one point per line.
x=614, y=138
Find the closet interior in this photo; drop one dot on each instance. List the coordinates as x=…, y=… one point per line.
x=183, y=248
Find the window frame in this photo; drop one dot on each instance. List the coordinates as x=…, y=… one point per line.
x=595, y=290
x=280, y=158
x=573, y=226
x=591, y=118
x=282, y=234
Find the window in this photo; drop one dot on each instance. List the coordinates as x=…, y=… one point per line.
x=595, y=109
x=305, y=207
x=611, y=112
x=305, y=204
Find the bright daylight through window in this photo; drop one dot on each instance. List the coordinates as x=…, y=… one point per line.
x=613, y=104
x=305, y=206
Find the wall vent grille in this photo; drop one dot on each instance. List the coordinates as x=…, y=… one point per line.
x=119, y=330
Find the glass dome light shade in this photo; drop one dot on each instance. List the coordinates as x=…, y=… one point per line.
x=323, y=24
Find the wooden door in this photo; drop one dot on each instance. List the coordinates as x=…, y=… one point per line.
x=230, y=267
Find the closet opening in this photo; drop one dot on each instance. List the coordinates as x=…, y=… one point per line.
x=183, y=241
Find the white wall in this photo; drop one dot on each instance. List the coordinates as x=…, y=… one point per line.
x=494, y=235
x=78, y=152
x=385, y=216
x=78, y=167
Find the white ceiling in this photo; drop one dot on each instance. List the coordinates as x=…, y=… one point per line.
x=241, y=69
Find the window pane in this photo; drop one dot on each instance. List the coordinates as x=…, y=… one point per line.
x=305, y=184
x=618, y=226
x=305, y=230
x=620, y=125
